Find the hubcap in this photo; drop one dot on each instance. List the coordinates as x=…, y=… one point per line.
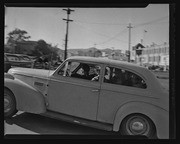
x=7, y=104
x=137, y=126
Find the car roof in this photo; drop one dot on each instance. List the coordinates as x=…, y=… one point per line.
x=16, y=54
x=9, y=54
x=147, y=74
x=106, y=61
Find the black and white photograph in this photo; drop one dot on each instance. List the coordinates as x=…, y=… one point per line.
x=85, y=71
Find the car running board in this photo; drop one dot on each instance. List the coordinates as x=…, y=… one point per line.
x=77, y=120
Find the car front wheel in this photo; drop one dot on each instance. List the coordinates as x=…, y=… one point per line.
x=138, y=124
x=9, y=104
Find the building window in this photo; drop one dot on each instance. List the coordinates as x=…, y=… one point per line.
x=167, y=50
x=154, y=58
x=163, y=50
x=145, y=51
x=159, y=58
x=149, y=59
x=157, y=50
x=150, y=51
x=142, y=52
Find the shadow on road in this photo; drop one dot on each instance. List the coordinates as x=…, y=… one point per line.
x=43, y=125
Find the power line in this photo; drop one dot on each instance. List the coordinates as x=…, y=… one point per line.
x=157, y=21
x=101, y=23
x=151, y=22
x=112, y=38
x=123, y=24
x=104, y=35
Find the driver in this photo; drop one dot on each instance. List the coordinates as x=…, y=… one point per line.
x=86, y=70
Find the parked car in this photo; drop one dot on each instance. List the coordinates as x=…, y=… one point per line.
x=7, y=64
x=17, y=60
x=24, y=57
x=101, y=93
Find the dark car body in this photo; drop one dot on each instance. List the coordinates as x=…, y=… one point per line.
x=18, y=61
x=7, y=64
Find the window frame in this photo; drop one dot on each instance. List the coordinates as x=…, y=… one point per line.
x=126, y=69
x=56, y=74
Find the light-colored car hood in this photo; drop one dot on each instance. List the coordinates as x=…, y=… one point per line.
x=31, y=72
x=37, y=78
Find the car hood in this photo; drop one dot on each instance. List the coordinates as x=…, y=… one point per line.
x=31, y=72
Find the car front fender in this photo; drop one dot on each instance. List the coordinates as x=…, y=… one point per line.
x=159, y=116
x=28, y=99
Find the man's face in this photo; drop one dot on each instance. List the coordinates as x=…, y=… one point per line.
x=85, y=71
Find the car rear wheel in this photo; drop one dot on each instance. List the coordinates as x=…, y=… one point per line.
x=138, y=124
x=9, y=104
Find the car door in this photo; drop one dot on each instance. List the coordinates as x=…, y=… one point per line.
x=119, y=85
x=73, y=95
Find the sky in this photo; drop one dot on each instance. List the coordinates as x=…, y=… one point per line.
x=92, y=27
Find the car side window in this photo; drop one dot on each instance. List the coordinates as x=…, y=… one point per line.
x=5, y=59
x=123, y=77
x=13, y=58
x=80, y=70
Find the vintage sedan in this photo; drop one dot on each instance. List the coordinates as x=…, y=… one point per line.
x=97, y=92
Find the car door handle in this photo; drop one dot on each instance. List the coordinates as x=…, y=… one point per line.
x=95, y=90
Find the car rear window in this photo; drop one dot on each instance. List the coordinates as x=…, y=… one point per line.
x=123, y=77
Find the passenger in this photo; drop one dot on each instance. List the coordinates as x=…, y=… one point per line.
x=117, y=78
x=136, y=82
x=97, y=73
x=107, y=75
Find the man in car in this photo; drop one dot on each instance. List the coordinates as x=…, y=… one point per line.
x=118, y=77
x=86, y=70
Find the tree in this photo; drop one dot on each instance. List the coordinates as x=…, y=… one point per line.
x=97, y=53
x=41, y=49
x=17, y=35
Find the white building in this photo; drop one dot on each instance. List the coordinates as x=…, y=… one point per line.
x=154, y=55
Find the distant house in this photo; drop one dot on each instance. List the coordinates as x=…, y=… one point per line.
x=152, y=55
x=136, y=51
x=156, y=55
x=92, y=52
x=138, y=46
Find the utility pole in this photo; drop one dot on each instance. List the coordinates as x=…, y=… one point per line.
x=67, y=27
x=129, y=27
x=94, y=49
